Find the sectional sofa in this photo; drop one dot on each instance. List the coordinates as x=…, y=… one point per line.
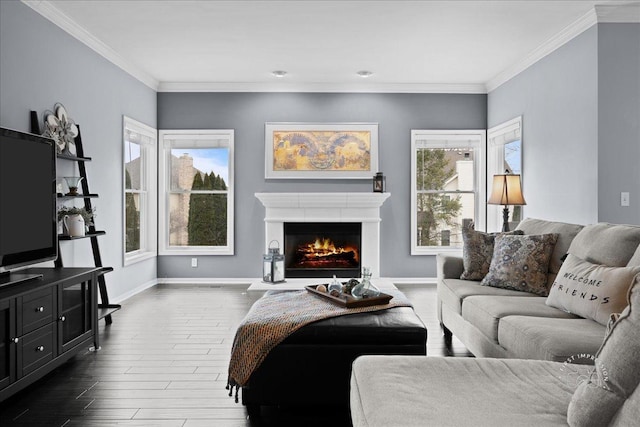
x=529, y=367
x=496, y=322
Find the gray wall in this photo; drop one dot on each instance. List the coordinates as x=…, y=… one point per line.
x=40, y=65
x=558, y=99
x=247, y=113
x=581, y=127
x=618, y=121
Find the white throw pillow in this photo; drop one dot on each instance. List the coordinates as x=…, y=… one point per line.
x=590, y=290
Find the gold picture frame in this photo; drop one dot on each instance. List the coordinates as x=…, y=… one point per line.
x=321, y=150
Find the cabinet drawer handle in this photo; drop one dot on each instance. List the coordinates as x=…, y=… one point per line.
x=40, y=348
x=15, y=340
x=62, y=318
x=40, y=309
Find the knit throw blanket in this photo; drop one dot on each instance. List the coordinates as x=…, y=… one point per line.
x=277, y=315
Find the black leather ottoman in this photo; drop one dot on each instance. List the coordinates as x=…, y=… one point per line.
x=313, y=365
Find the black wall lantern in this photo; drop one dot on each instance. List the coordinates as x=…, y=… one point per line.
x=379, y=183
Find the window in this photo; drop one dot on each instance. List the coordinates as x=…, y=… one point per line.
x=447, y=188
x=504, y=154
x=139, y=182
x=196, y=178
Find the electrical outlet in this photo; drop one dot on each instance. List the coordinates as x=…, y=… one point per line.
x=624, y=198
x=194, y=262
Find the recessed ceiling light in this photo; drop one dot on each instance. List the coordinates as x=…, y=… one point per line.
x=279, y=73
x=364, y=74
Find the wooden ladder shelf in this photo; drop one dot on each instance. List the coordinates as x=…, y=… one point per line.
x=105, y=308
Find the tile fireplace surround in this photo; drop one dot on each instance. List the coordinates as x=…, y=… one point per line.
x=327, y=207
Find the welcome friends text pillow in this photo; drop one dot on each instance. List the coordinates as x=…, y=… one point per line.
x=589, y=290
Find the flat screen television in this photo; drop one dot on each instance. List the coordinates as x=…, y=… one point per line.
x=28, y=223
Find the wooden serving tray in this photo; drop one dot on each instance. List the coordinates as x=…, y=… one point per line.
x=348, y=301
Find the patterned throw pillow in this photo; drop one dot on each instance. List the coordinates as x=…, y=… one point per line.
x=521, y=263
x=477, y=251
x=590, y=290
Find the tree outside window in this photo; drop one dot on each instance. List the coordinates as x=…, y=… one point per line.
x=207, y=222
x=132, y=217
x=438, y=212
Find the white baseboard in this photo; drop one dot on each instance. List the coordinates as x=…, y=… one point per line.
x=220, y=281
x=414, y=281
x=132, y=292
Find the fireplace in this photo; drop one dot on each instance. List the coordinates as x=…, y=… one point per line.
x=334, y=208
x=322, y=249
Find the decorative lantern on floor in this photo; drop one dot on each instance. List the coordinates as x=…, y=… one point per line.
x=273, y=265
x=379, y=183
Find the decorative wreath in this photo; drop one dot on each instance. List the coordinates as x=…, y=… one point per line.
x=61, y=128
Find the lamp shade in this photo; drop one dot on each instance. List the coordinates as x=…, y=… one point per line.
x=507, y=190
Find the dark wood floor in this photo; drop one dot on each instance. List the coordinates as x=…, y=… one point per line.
x=163, y=362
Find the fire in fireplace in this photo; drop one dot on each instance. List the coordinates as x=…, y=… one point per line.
x=322, y=249
x=324, y=253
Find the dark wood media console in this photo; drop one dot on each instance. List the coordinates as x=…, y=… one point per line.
x=44, y=322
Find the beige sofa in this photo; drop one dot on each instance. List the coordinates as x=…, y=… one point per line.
x=494, y=322
x=509, y=390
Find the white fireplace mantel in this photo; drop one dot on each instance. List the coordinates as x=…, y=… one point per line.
x=327, y=207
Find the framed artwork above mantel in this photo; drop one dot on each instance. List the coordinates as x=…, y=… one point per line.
x=321, y=150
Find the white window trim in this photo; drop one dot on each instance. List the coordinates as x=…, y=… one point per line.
x=441, y=136
x=164, y=185
x=497, y=137
x=148, y=218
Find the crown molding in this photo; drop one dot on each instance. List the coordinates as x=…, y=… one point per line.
x=623, y=12
x=571, y=31
x=320, y=87
x=47, y=9
x=618, y=13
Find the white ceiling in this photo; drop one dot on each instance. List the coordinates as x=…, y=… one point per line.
x=468, y=46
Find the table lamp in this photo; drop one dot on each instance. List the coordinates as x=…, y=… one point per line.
x=507, y=191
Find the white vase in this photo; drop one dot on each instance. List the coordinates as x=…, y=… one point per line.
x=74, y=224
